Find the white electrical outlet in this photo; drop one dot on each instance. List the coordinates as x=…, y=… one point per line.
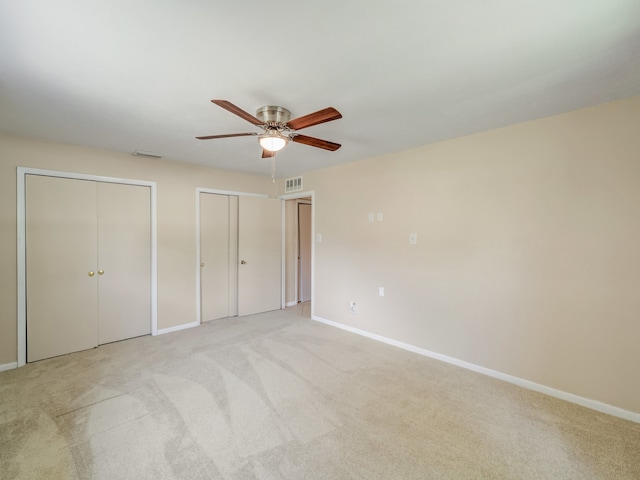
x=371, y=217
x=413, y=238
x=318, y=237
x=381, y=291
x=379, y=216
x=352, y=307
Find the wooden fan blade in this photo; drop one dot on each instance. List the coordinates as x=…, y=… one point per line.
x=267, y=154
x=237, y=111
x=210, y=137
x=316, y=142
x=326, y=115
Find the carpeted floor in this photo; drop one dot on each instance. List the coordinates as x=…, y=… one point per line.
x=278, y=396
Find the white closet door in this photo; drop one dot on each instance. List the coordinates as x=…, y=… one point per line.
x=124, y=261
x=214, y=256
x=233, y=256
x=218, y=256
x=260, y=252
x=62, y=280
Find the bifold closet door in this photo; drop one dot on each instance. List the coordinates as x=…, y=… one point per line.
x=88, y=264
x=124, y=261
x=218, y=256
x=260, y=254
x=61, y=261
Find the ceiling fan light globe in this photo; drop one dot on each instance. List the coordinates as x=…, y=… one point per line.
x=273, y=143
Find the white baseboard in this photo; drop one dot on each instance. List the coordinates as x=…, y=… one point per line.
x=8, y=366
x=177, y=328
x=291, y=304
x=569, y=397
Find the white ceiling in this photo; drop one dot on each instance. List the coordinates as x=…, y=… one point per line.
x=140, y=74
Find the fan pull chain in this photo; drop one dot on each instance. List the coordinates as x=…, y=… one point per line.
x=273, y=168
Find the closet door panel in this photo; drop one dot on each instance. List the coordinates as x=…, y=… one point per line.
x=260, y=253
x=214, y=256
x=233, y=256
x=61, y=235
x=124, y=261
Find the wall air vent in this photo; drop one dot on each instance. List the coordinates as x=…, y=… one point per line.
x=293, y=184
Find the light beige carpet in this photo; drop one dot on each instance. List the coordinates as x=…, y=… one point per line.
x=278, y=396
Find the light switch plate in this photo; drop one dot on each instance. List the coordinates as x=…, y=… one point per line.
x=319, y=237
x=379, y=216
x=413, y=238
x=371, y=217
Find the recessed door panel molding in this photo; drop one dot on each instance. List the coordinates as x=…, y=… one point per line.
x=66, y=200
x=61, y=236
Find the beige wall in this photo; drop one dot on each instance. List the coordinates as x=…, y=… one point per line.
x=176, y=219
x=527, y=259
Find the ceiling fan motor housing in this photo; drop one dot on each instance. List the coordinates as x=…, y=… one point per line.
x=273, y=115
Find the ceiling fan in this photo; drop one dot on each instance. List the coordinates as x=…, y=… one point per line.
x=278, y=129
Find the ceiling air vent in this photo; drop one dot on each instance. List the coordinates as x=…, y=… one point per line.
x=293, y=184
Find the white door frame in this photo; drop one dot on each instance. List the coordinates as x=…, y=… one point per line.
x=200, y=190
x=293, y=196
x=22, y=172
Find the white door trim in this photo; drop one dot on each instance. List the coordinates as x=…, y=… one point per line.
x=22, y=285
x=292, y=196
x=200, y=190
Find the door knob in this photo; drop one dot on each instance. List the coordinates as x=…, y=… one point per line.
x=100, y=272
x=243, y=262
x=202, y=264
x=91, y=274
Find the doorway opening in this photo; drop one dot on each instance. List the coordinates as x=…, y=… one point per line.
x=299, y=249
